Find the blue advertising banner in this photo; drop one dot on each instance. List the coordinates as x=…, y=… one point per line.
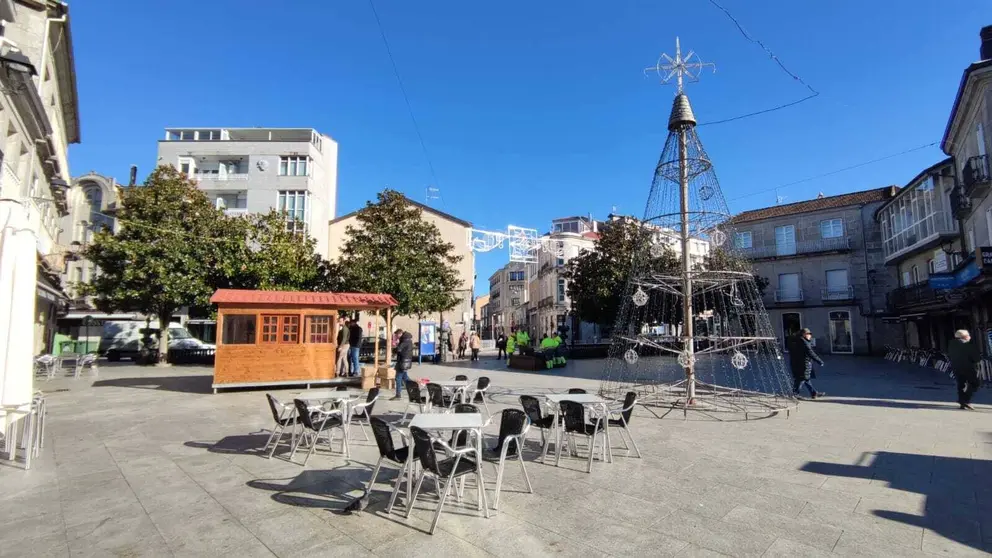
x=428, y=340
x=960, y=278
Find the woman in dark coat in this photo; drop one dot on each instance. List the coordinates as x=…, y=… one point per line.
x=801, y=359
x=404, y=362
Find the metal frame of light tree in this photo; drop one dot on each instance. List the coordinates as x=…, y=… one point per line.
x=701, y=219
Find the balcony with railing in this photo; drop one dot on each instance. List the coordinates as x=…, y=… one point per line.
x=791, y=249
x=918, y=294
x=976, y=176
x=788, y=295
x=918, y=236
x=835, y=294
x=215, y=176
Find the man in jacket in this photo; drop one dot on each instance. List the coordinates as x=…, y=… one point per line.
x=801, y=359
x=404, y=362
x=341, y=364
x=964, y=357
x=559, y=349
x=355, y=341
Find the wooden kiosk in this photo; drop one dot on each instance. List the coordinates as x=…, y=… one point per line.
x=272, y=338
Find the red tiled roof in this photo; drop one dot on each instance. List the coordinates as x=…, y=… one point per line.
x=829, y=202
x=351, y=301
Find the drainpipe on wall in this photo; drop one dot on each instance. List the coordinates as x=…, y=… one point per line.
x=871, y=302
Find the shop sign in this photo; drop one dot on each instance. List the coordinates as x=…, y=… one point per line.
x=955, y=296
x=960, y=278
x=985, y=256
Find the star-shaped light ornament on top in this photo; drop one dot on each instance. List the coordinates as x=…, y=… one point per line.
x=682, y=68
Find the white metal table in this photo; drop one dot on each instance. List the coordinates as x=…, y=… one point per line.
x=456, y=421
x=344, y=398
x=459, y=387
x=586, y=399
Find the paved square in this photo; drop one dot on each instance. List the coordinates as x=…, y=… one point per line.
x=146, y=462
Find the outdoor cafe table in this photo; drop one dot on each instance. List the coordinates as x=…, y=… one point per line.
x=344, y=398
x=456, y=386
x=456, y=421
x=586, y=399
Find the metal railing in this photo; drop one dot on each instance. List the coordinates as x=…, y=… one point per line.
x=229, y=177
x=976, y=172
x=919, y=293
x=838, y=293
x=10, y=179
x=235, y=211
x=788, y=295
x=799, y=248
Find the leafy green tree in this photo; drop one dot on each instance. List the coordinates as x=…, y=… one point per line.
x=394, y=250
x=262, y=253
x=162, y=257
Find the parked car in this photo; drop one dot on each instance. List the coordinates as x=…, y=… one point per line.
x=124, y=339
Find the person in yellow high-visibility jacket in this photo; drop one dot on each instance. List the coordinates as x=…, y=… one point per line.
x=559, y=349
x=523, y=339
x=511, y=342
x=548, y=348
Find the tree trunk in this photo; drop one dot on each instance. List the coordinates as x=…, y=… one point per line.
x=163, y=339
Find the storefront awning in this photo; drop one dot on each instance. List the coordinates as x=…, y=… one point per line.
x=50, y=292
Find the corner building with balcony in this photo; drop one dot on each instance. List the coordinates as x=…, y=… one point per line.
x=823, y=262
x=921, y=239
x=968, y=141
x=254, y=170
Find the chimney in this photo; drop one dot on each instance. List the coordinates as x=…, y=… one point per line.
x=986, y=35
x=133, y=178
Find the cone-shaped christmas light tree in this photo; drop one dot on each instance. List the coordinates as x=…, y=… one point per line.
x=692, y=331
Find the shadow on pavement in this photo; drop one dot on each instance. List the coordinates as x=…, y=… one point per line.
x=245, y=444
x=953, y=506
x=331, y=489
x=181, y=384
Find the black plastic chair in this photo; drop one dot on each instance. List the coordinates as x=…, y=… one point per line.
x=402, y=456
x=622, y=420
x=284, y=416
x=513, y=427
x=576, y=391
x=533, y=408
x=341, y=388
x=416, y=400
x=479, y=393
x=444, y=470
x=318, y=421
x=359, y=411
x=460, y=439
x=574, y=423
x=437, y=397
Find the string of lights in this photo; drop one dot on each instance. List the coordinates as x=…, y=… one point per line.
x=406, y=98
x=833, y=172
x=813, y=93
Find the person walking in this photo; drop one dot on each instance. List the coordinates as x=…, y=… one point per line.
x=404, y=362
x=355, y=341
x=801, y=359
x=462, y=345
x=341, y=363
x=474, y=343
x=501, y=346
x=511, y=345
x=964, y=357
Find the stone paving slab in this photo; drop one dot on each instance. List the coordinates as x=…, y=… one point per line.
x=147, y=462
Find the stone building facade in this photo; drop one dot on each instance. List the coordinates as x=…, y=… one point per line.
x=825, y=266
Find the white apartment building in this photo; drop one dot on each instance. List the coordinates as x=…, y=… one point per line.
x=254, y=170
x=39, y=116
x=570, y=236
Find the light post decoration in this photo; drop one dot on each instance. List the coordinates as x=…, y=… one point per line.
x=696, y=337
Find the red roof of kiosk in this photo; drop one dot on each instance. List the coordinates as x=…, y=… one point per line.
x=303, y=298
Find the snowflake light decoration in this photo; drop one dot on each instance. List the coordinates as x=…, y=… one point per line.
x=657, y=250
x=640, y=298
x=686, y=359
x=738, y=361
x=718, y=237
x=705, y=192
x=631, y=356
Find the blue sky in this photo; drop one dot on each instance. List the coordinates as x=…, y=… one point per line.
x=531, y=110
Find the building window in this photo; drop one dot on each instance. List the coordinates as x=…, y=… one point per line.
x=293, y=165
x=294, y=205
x=568, y=226
x=515, y=302
x=743, y=240
x=208, y=135
x=280, y=329
x=837, y=285
x=559, y=262
x=77, y=274
x=789, y=287
x=970, y=246
x=238, y=330
x=832, y=228
x=907, y=279
x=916, y=274
x=785, y=240
x=319, y=329
x=980, y=138
x=187, y=166
x=561, y=290
x=516, y=276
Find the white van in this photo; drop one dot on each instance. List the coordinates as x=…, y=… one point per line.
x=123, y=339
